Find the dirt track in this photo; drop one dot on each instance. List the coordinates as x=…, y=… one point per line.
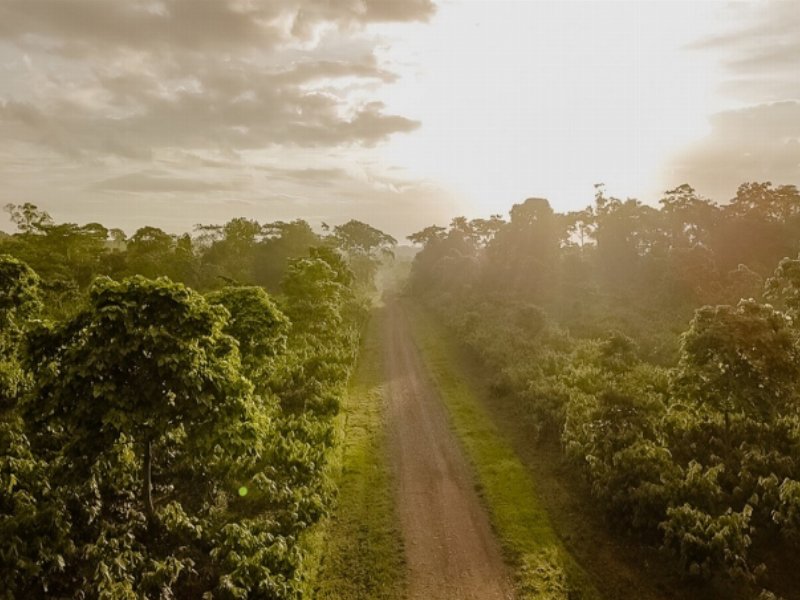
x=451, y=551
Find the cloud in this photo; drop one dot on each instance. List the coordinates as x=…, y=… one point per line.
x=348, y=12
x=758, y=143
x=197, y=25
x=328, y=69
x=131, y=78
x=761, y=141
x=761, y=51
x=307, y=176
x=83, y=24
x=163, y=182
x=188, y=110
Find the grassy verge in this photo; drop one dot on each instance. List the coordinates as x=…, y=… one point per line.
x=544, y=568
x=360, y=548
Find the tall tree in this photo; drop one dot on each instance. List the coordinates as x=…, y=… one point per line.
x=365, y=247
x=524, y=253
x=145, y=362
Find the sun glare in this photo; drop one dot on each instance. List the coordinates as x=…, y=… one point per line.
x=521, y=99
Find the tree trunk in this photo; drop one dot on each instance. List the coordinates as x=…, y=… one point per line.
x=148, y=484
x=727, y=427
x=728, y=444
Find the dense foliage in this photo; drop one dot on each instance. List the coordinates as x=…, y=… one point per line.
x=165, y=422
x=692, y=440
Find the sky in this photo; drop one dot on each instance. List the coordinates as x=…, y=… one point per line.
x=400, y=113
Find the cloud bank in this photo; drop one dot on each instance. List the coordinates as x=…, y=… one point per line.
x=760, y=140
x=166, y=97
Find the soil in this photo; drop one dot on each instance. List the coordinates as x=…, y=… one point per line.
x=450, y=548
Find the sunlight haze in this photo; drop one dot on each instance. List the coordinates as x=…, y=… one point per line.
x=399, y=113
x=399, y=300
x=546, y=99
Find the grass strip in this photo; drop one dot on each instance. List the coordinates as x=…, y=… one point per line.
x=544, y=569
x=360, y=544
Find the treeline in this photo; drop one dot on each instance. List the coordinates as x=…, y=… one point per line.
x=690, y=440
x=165, y=422
x=68, y=256
x=619, y=263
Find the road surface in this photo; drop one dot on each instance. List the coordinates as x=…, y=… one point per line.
x=451, y=551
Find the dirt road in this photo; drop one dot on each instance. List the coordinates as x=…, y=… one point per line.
x=451, y=551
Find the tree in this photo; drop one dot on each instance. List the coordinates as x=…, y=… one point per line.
x=280, y=242
x=740, y=359
x=448, y=258
x=313, y=295
x=20, y=297
x=257, y=324
x=146, y=361
x=58, y=252
x=150, y=240
x=626, y=232
x=784, y=286
x=28, y=217
x=688, y=217
x=231, y=253
x=579, y=228
x=30, y=532
x=428, y=235
x=763, y=201
x=153, y=252
x=487, y=229
x=759, y=227
x=364, y=246
x=355, y=237
x=20, y=301
x=336, y=261
x=524, y=253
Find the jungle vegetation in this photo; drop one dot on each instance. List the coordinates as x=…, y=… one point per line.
x=167, y=403
x=658, y=348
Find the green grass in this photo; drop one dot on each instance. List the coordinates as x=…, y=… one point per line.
x=360, y=547
x=543, y=568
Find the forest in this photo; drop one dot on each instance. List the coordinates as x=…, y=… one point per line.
x=324, y=300
x=657, y=348
x=167, y=403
